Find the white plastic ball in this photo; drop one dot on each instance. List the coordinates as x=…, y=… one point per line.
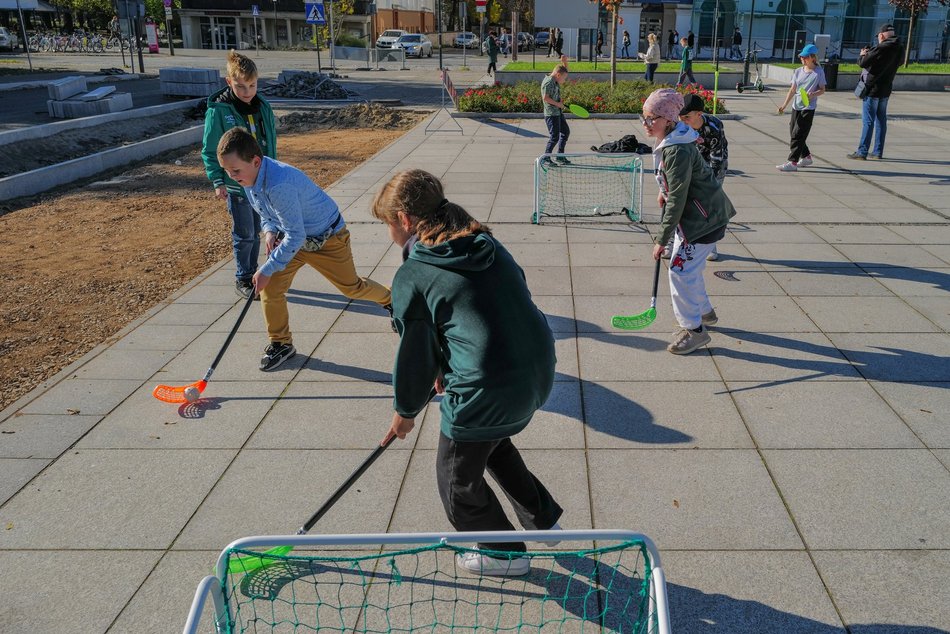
x=192, y=394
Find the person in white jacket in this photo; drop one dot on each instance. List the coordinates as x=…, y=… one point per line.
x=652, y=56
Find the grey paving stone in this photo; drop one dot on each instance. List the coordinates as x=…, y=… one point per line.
x=224, y=417
x=352, y=356
x=97, y=584
x=747, y=593
x=761, y=314
x=90, y=397
x=923, y=406
x=724, y=281
x=849, y=281
x=158, y=337
x=557, y=425
x=640, y=415
x=310, y=311
x=780, y=234
x=912, y=282
x=270, y=492
x=798, y=256
x=641, y=357
x=864, y=314
x=880, y=255
x=559, y=310
x=117, y=363
x=897, y=356
x=932, y=234
x=864, y=498
x=943, y=455
x=561, y=471
x=820, y=414
x=16, y=472
x=691, y=499
x=42, y=435
x=851, y=234
x=604, y=234
x=162, y=602
x=594, y=314
x=327, y=415
x=209, y=294
x=188, y=314
x=828, y=213
x=889, y=592
x=942, y=251
x=610, y=254
x=150, y=496
x=362, y=316
x=530, y=233
x=548, y=280
x=777, y=359
x=635, y=281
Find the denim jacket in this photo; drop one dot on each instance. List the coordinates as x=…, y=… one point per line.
x=289, y=202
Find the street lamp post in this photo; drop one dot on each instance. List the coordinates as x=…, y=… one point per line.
x=439, y=18
x=748, y=51
x=276, y=31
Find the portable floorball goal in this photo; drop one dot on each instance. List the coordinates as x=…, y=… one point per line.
x=608, y=581
x=587, y=185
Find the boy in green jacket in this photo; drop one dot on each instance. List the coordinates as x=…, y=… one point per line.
x=686, y=63
x=695, y=210
x=239, y=105
x=467, y=323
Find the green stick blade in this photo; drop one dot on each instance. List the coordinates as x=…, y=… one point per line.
x=250, y=563
x=634, y=322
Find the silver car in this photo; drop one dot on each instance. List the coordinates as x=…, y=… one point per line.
x=8, y=40
x=466, y=39
x=415, y=45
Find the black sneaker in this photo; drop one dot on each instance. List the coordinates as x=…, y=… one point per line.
x=392, y=320
x=857, y=157
x=275, y=354
x=562, y=160
x=245, y=288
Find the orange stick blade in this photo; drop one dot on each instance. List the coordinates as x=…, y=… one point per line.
x=176, y=394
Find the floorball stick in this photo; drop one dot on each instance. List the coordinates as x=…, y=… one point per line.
x=191, y=393
x=579, y=111
x=644, y=319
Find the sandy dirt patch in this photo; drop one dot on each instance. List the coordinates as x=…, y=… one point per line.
x=83, y=263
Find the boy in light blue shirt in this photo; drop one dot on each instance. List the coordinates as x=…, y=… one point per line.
x=302, y=225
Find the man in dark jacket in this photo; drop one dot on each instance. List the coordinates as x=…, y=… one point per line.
x=880, y=66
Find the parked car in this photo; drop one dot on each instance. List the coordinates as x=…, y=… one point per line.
x=541, y=38
x=389, y=38
x=7, y=40
x=525, y=41
x=415, y=44
x=466, y=39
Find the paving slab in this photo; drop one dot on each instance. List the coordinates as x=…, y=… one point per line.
x=16, y=473
x=864, y=314
x=748, y=593
x=97, y=584
x=90, y=397
x=897, y=356
x=820, y=415
x=151, y=494
x=42, y=435
x=865, y=498
x=698, y=499
x=922, y=406
x=892, y=592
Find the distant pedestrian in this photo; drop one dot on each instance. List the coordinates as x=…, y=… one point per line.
x=880, y=66
x=808, y=82
x=625, y=51
x=550, y=41
x=505, y=42
x=652, y=56
x=671, y=44
x=690, y=39
x=554, y=111
x=686, y=63
x=559, y=44
x=600, y=44
x=491, y=47
x=736, y=52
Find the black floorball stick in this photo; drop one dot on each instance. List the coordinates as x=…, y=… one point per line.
x=192, y=392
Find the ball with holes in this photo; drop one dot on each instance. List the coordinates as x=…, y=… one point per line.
x=192, y=394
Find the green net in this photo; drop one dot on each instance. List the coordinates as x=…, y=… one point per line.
x=588, y=185
x=422, y=590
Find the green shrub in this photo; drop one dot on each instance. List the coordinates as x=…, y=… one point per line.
x=346, y=39
x=595, y=96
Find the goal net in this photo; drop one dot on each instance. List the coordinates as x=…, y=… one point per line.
x=380, y=583
x=587, y=185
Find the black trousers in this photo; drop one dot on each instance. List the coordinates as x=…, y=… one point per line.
x=800, y=126
x=491, y=67
x=470, y=503
x=559, y=131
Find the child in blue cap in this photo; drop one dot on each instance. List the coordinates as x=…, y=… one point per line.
x=808, y=82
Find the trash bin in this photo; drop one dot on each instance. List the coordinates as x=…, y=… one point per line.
x=831, y=74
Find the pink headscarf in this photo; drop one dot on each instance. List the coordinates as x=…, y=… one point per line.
x=665, y=103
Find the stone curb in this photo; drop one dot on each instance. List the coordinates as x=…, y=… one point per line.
x=94, y=79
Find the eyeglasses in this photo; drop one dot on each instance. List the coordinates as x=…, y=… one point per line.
x=648, y=121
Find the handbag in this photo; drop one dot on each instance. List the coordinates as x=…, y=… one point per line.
x=860, y=91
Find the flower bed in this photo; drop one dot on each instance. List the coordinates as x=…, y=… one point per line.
x=626, y=97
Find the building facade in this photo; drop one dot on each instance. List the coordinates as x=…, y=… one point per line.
x=227, y=24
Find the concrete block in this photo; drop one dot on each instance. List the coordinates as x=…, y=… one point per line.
x=66, y=87
x=118, y=102
x=189, y=75
x=98, y=93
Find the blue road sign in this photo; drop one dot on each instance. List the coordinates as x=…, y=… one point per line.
x=315, y=14
x=255, y=10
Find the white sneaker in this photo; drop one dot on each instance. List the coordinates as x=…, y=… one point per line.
x=806, y=161
x=478, y=564
x=787, y=166
x=713, y=256
x=553, y=542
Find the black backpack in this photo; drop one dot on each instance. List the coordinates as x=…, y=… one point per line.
x=627, y=144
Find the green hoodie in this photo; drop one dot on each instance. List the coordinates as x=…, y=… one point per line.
x=221, y=117
x=463, y=307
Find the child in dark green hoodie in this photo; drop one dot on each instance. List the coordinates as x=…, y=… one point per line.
x=467, y=322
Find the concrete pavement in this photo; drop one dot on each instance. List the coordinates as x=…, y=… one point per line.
x=795, y=474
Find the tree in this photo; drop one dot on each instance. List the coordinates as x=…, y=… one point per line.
x=914, y=8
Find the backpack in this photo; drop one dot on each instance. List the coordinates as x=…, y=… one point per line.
x=626, y=145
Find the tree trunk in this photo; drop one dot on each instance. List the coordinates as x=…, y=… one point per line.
x=910, y=36
x=613, y=46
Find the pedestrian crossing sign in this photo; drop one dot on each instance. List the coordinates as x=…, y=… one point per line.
x=315, y=14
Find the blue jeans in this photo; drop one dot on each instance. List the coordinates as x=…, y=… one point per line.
x=245, y=235
x=873, y=115
x=651, y=69
x=559, y=131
